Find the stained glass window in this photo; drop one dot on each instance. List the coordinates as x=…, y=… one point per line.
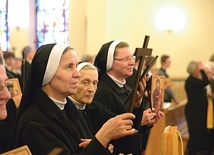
x=52, y=21
x=4, y=30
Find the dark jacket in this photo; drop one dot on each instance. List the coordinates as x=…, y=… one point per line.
x=113, y=97
x=96, y=115
x=168, y=93
x=43, y=127
x=196, y=112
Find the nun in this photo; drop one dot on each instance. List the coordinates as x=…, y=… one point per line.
x=115, y=62
x=48, y=120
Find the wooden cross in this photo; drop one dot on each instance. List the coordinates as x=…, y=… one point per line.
x=141, y=53
x=23, y=71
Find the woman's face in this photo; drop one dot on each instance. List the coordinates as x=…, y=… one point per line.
x=123, y=63
x=4, y=93
x=87, y=86
x=64, y=82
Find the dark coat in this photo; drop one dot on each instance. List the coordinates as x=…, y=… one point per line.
x=113, y=97
x=168, y=93
x=96, y=115
x=43, y=121
x=196, y=112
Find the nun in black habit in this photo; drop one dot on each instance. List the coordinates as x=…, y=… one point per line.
x=115, y=63
x=47, y=119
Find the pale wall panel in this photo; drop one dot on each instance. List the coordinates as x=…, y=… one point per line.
x=131, y=20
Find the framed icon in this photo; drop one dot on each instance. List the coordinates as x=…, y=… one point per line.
x=23, y=150
x=14, y=87
x=157, y=92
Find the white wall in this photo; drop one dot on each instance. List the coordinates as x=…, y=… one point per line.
x=77, y=26
x=131, y=20
x=21, y=24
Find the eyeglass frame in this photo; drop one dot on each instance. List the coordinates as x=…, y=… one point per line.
x=127, y=59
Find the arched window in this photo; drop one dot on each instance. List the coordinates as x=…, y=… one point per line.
x=52, y=21
x=4, y=30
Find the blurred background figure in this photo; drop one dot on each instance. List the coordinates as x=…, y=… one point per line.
x=88, y=58
x=211, y=58
x=9, y=59
x=28, y=54
x=196, y=109
x=17, y=66
x=10, y=64
x=168, y=93
x=209, y=70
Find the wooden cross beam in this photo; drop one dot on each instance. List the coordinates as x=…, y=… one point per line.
x=141, y=53
x=23, y=71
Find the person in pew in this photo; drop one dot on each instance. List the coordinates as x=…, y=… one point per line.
x=196, y=109
x=94, y=112
x=9, y=59
x=47, y=119
x=209, y=70
x=16, y=68
x=115, y=63
x=168, y=93
x=28, y=53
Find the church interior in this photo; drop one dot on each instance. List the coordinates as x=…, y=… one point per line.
x=179, y=28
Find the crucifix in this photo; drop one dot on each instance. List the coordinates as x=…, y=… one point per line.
x=141, y=53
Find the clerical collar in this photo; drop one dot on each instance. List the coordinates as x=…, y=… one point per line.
x=79, y=105
x=60, y=104
x=119, y=83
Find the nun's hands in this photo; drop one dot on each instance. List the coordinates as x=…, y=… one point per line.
x=150, y=118
x=84, y=142
x=140, y=92
x=116, y=127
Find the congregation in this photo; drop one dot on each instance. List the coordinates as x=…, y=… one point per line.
x=78, y=105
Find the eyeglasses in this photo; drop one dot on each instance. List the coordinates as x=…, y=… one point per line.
x=127, y=59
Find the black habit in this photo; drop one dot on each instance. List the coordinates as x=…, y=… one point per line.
x=40, y=123
x=113, y=97
x=196, y=112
